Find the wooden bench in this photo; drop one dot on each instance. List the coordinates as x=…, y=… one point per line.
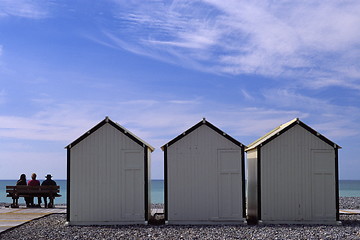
x=32, y=191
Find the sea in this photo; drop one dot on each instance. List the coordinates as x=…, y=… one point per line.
x=347, y=188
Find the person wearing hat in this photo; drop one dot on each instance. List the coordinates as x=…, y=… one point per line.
x=48, y=182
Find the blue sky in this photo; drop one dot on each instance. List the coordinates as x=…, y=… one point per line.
x=158, y=67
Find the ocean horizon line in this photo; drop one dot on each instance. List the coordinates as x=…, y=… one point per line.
x=61, y=179
x=161, y=179
x=347, y=188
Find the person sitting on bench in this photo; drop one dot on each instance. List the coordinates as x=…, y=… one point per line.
x=34, y=182
x=22, y=181
x=48, y=182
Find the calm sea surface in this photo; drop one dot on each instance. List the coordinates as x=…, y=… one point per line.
x=157, y=191
x=348, y=188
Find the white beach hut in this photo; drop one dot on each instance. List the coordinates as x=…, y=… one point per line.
x=108, y=177
x=293, y=176
x=204, y=177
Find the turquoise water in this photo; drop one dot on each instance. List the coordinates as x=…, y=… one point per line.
x=347, y=188
x=157, y=191
x=4, y=183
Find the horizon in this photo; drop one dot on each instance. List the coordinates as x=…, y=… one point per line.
x=158, y=67
x=157, y=179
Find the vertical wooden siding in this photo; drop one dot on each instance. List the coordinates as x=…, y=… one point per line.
x=98, y=183
x=286, y=176
x=193, y=176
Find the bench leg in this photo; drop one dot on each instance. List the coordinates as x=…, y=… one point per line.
x=39, y=201
x=45, y=202
x=27, y=200
x=51, y=203
x=15, y=203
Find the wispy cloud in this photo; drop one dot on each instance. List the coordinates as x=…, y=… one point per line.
x=159, y=121
x=46, y=162
x=54, y=122
x=246, y=94
x=333, y=120
x=23, y=8
x=288, y=39
x=326, y=82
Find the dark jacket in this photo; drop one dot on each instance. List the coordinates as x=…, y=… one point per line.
x=48, y=182
x=21, y=182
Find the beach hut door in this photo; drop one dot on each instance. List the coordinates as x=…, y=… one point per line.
x=133, y=182
x=323, y=184
x=230, y=199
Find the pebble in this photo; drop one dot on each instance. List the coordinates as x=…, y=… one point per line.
x=53, y=227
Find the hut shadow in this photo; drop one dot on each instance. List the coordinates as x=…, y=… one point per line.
x=350, y=220
x=157, y=219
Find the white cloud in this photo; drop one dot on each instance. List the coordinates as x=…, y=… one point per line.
x=288, y=98
x=23, y=8
x=247, y=95
x=55, y=123
x=333, y=120
x=67, y=121
x=160, y=121
x=157, y=122
x=184, y=101
x=281, y=38
x=251, y=121
x=42, y=162
x=326, y=82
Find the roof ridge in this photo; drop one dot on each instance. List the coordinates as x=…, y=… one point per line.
x=134, y=135
x=278, y=130
x=271, y=133
x=197, y=125
x=116, y=125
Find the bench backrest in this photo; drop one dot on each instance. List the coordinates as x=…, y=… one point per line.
x=23, y=189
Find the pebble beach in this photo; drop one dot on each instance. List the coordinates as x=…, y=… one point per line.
x=53, y=227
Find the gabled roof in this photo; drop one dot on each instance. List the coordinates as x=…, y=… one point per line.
x=118, y=127
x=283, y=128
x=203, y=122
